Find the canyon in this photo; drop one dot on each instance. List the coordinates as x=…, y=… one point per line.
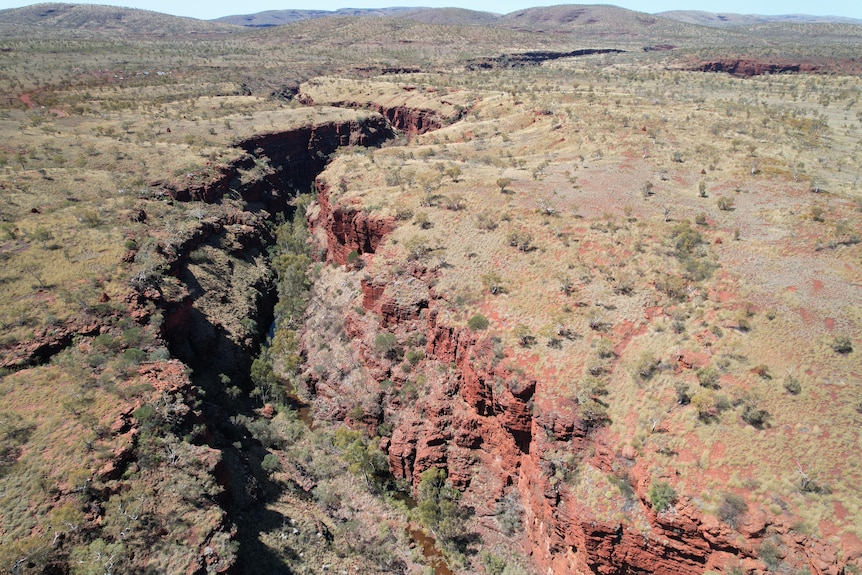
x=385, y=300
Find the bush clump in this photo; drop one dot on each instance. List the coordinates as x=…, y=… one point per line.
x=732, y=508
x=792, y=385
x=270, y=463
x=661, y=495
x=842, y=345
x=478, y=322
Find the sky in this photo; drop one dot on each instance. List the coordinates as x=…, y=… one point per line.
x=210, y=9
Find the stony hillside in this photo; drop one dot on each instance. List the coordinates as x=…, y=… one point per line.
x=106, y=19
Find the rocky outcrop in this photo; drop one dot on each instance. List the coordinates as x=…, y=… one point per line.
x=347, y=229
x=748, y=67
x=45, y=343
x=497, y=432
x=293, y=159
x=522, y=59
x=481, y=411
x=403, y=118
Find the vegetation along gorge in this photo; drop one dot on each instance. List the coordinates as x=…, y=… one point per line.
x=568, y=290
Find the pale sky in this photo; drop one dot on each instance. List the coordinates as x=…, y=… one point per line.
x=209, y=9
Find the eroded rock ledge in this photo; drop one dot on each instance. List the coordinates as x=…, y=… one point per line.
x=750, y=67
x=533, y=58
x=479, y=419
x=294, y=157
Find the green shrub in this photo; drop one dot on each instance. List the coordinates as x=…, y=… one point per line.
x=770, y=554
x=661, y=495
x=754, y=416
x=493, y=565
x=387, y=344
x=646, y=366
x=134, y=355
x=107, y=341
x=683, y=394
x=270, y=463
x=478, y=322
x=708, y=377
x=493, y=283
x=792, y=385
x=133, y=336
x=414, y=356
x=262, y=430
x=521, y=240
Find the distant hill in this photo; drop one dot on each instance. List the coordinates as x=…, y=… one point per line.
x=574, y=16
x=606, y=22
x=279, y=17
x=272, y=17
x=722, y=20
x=602, y=20
x=452, y=16
x=89, y=17
x=603, y=23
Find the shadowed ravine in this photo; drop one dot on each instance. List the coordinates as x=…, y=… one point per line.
x=198, y=338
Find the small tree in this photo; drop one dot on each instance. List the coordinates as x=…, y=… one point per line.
x=503, y=183
x=661, y=496
x=363, y=457
x=438, y=506
x=267, y=386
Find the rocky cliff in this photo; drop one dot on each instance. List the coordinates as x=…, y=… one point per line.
x=499, y=431
x=749, y=67
x=290, y=161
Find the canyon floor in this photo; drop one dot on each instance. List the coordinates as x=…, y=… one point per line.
x=574, y=292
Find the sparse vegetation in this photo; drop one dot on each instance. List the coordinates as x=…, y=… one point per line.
x=151, y=214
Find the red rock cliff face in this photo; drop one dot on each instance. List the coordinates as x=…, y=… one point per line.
x=347, y=230
x=748, y=67
x=408, y=120
x=496, y=432
x=296, y=156
x=479, y=411
x=411, y=120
